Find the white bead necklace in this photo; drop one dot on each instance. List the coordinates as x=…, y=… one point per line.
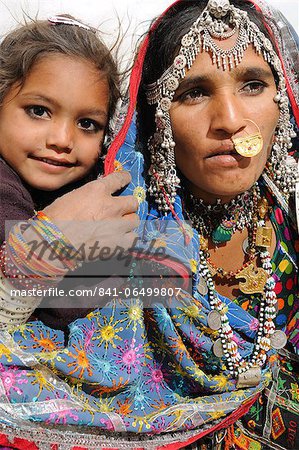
x=248, y=373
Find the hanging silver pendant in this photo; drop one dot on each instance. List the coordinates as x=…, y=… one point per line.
x=218, y=349
x=202, y=287
x=278, y=339
x=214, y=320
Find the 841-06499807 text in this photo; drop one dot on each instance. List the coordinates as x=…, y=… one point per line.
x=129, y=292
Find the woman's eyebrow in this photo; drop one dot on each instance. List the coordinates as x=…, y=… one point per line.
x=237, y=73
x=194, y=80
x=252, y=73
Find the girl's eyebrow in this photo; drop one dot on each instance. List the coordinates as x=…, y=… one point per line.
x=87, y=111
x=239, y=73
x=39, y=97
x=94, y=112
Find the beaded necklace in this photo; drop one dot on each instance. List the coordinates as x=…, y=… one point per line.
x=220, y=221
x=246, y=371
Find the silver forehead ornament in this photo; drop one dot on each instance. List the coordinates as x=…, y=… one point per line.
x=218, y=21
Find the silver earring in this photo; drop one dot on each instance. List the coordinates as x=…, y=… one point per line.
x=281, y=167
x=164, y=181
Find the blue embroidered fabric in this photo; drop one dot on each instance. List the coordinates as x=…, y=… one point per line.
x=126, y=366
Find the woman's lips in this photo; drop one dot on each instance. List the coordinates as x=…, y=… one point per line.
x=224, y=157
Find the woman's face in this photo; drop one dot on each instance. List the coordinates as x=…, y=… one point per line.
x=212, y=106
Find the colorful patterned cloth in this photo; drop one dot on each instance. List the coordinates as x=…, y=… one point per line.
x=130, y=375
x=130, y=368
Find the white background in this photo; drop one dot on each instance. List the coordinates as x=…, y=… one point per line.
x=134, y=15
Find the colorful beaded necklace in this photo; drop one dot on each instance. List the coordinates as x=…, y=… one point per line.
x=246, y=371
x=220, y=221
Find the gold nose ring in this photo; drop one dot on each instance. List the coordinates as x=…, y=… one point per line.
x=251, y=145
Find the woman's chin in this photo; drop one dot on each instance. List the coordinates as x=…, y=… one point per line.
x=223, y=189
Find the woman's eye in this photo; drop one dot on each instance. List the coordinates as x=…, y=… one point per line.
x=193, y=96
x=254, y=87
x=38, y=111
x=89, y=125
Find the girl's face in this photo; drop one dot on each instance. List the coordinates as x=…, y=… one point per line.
x=52, y=129
x=210, y=107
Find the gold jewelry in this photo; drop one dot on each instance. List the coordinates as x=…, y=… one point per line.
x=263, y=237
x=251, y=145
x=255, y=280
x=263, y=233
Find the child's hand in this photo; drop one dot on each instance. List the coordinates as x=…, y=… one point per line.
x=91, y=215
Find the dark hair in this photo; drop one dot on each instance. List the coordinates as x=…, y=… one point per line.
x=164, y=43
x=26, y=45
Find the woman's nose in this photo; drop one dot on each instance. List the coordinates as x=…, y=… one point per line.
x=60, y=136
x=228, y=115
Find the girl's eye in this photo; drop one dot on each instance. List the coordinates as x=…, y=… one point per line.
x=38, y=111
x=254, y=87
x=89, y=125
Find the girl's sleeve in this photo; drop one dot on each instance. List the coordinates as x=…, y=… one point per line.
x=15, y=202
x=15, y=205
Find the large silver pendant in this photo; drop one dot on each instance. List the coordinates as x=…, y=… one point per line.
x=278, y=339
x=214, y=320
x=218, y=349
x=250, y=378
x=202, y=286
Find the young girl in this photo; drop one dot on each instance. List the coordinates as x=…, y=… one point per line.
x=58, y=88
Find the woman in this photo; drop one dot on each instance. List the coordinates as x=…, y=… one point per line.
x=213, y=107
x=184, y=370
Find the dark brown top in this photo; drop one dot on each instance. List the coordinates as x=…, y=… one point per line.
x=15, y=200
x=17, y=203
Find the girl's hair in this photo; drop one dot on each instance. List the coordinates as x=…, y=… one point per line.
x=26, y=45
x=164, y=44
